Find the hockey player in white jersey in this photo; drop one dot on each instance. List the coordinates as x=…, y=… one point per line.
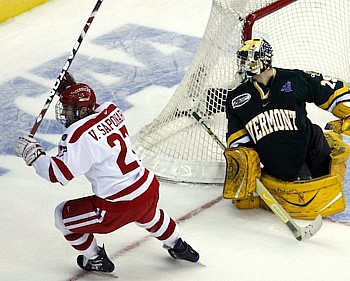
x=96, y=143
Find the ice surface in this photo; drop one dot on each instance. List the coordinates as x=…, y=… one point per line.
x=125, y=58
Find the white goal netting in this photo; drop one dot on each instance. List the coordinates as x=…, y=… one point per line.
x=305, y=34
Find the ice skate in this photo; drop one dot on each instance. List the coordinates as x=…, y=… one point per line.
x=183, y=251
x=101, y=263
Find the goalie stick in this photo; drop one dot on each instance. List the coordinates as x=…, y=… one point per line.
x=300, y=233
x=65, y=68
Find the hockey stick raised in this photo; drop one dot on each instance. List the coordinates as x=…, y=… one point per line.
x=65, y=68
x=300, y=233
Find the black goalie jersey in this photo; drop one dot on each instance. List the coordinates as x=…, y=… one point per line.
x=273, y=118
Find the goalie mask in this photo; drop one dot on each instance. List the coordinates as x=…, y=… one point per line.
x=76, y=102
x=254, y=57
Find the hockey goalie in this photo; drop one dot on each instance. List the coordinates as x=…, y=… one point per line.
x=271, y=138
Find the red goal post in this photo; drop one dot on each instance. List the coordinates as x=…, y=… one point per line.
x=305, y=34
x=255, y=15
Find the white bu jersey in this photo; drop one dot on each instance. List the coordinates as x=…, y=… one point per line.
x=99, y=147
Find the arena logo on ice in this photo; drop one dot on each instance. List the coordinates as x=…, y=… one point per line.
x=152, y=57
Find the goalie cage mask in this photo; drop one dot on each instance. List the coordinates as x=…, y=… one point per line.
x=76, y=102
x=254, y=57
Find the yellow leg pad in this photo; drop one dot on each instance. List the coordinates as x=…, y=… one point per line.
x=12, y=8
x=242, y=168
x=307, y=199
x=248, y=203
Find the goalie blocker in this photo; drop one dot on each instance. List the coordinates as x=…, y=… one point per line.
x=301, y=199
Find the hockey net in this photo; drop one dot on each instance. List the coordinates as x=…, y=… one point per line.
x=305, y=34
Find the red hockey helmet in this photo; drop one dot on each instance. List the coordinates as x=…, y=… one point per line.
x=66, y=81
x=76, y=102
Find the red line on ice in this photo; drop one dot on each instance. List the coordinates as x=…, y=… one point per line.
x=138, y=243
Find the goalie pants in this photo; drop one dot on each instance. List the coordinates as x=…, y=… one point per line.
x=79, y=219
x=318, y=156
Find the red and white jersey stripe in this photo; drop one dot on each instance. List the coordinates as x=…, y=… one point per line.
x=99, y=147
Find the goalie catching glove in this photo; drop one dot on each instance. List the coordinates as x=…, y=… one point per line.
x=29, y=149
x=340, y=126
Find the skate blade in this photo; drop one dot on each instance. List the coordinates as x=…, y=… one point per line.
x=105, y=274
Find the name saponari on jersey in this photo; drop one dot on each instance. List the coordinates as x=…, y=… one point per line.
x=270, y=121
x=107, y=125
